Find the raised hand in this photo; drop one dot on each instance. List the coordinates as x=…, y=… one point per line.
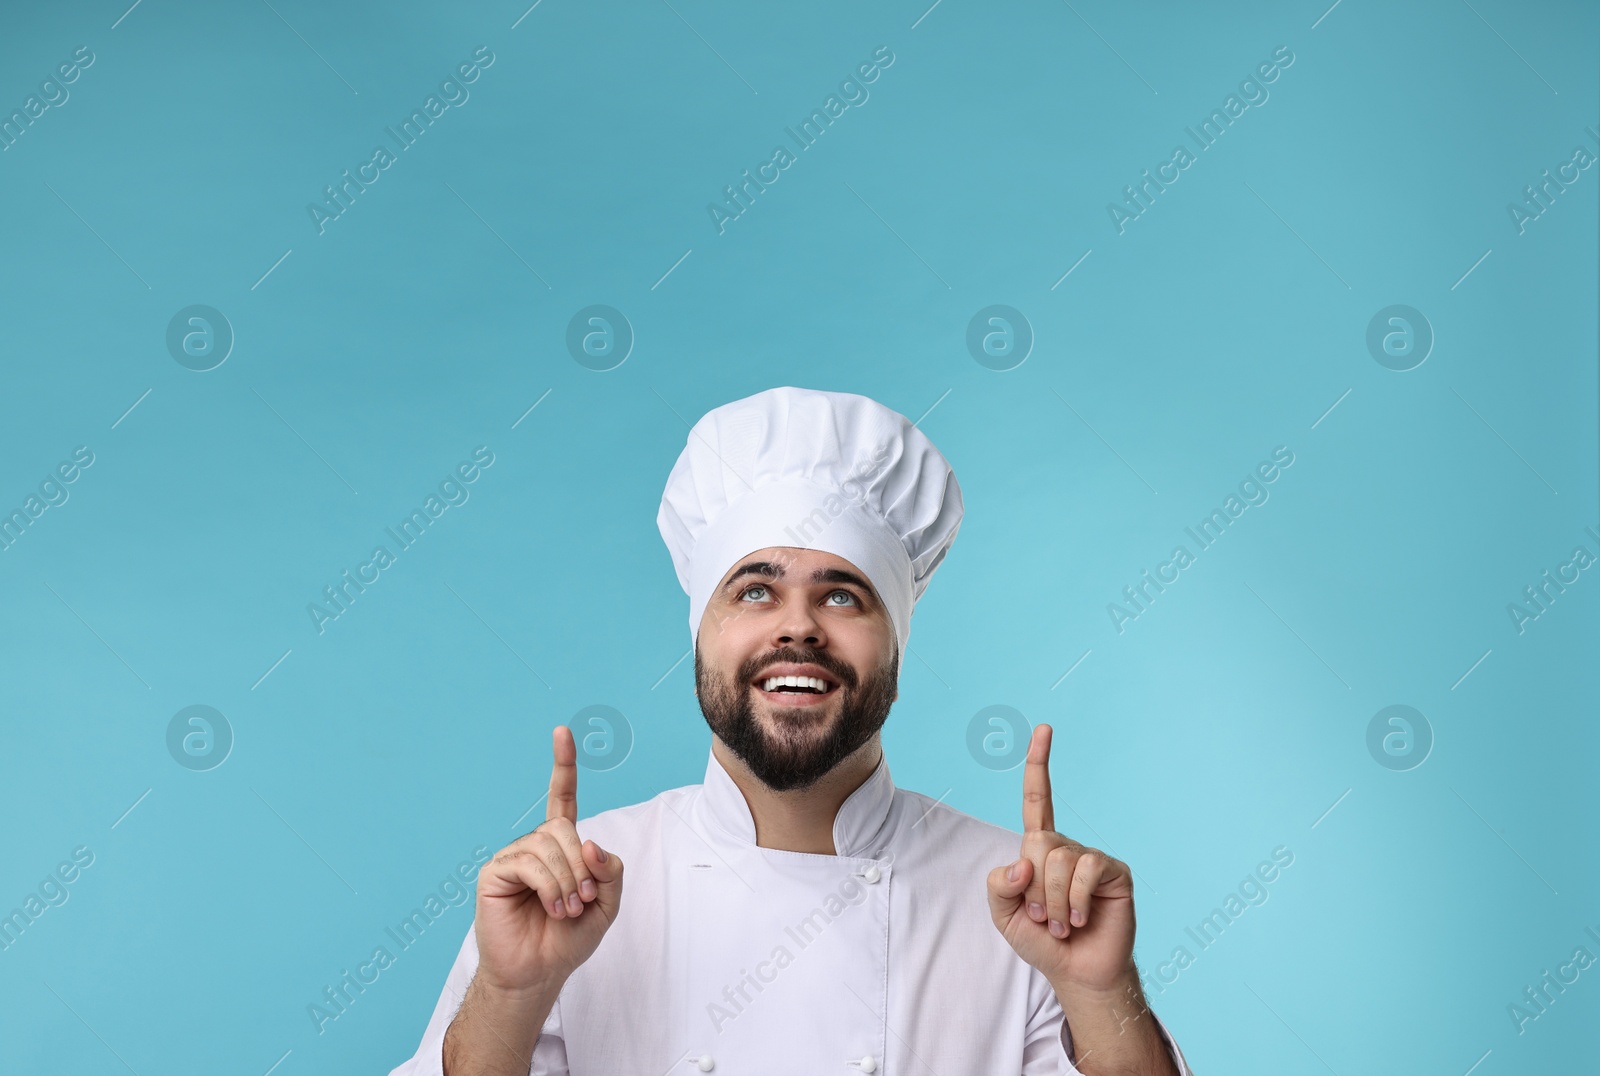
x=546, y=900
x=1065, y=908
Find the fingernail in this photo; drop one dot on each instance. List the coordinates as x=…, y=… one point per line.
x=1056, y=928
x=574, y=905
x=1077, y=918
x=1014, y=871
x=587, y=888
x=558, y=910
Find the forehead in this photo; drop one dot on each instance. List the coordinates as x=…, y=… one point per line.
x=796, y=564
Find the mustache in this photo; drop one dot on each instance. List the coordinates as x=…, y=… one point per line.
x=789, y=655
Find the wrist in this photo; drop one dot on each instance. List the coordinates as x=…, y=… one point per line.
x=1125, y=987
x=1108, y=1021
x=524, y=995
x=1117, y=1009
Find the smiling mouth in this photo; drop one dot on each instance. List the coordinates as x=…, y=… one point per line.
x=794, y=690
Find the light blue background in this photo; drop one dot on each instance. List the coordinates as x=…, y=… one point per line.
x=371, y=358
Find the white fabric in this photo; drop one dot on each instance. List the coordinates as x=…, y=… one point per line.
x=831, y=471
x=907, y=969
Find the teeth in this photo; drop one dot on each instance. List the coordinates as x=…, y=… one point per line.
x=772, y=683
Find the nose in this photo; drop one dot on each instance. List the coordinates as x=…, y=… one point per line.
x=799, y=623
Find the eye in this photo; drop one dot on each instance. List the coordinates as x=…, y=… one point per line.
x=847, y=594
x=753, y=586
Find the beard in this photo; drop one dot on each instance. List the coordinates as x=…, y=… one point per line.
x=806, y=746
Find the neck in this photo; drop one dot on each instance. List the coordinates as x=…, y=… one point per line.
x=800, y=820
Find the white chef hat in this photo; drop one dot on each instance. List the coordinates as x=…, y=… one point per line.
x=831, y=471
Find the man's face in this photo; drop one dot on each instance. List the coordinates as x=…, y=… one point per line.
x=784, y=610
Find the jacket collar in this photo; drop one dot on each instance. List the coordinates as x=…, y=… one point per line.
x=856, y=828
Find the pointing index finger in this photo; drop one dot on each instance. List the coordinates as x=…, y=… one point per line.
x=563, y=799
x=1038, y=809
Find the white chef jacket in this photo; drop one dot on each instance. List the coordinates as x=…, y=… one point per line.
x=731, y=958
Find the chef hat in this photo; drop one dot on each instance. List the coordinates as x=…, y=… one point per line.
x=831, y=471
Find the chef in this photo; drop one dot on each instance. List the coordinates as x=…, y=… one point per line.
x=796, y=912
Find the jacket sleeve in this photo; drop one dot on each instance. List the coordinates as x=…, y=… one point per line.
x=549, y=1055
x=1048, y=1043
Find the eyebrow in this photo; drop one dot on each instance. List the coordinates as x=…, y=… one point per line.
x=768, y=570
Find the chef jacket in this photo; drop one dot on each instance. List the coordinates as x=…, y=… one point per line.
x=731, y=958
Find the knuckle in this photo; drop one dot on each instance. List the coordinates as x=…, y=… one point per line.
x=527, y=869
x=530, y=861
x=510, y=856
x=556, y=860
x=1058, y=873
x=1036, y=843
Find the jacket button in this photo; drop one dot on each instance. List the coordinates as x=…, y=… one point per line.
x=868, y=1064
x=871, y=875
x=705, y=1064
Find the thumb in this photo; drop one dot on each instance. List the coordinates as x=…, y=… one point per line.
x=1006, y=886
x=607, y=870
